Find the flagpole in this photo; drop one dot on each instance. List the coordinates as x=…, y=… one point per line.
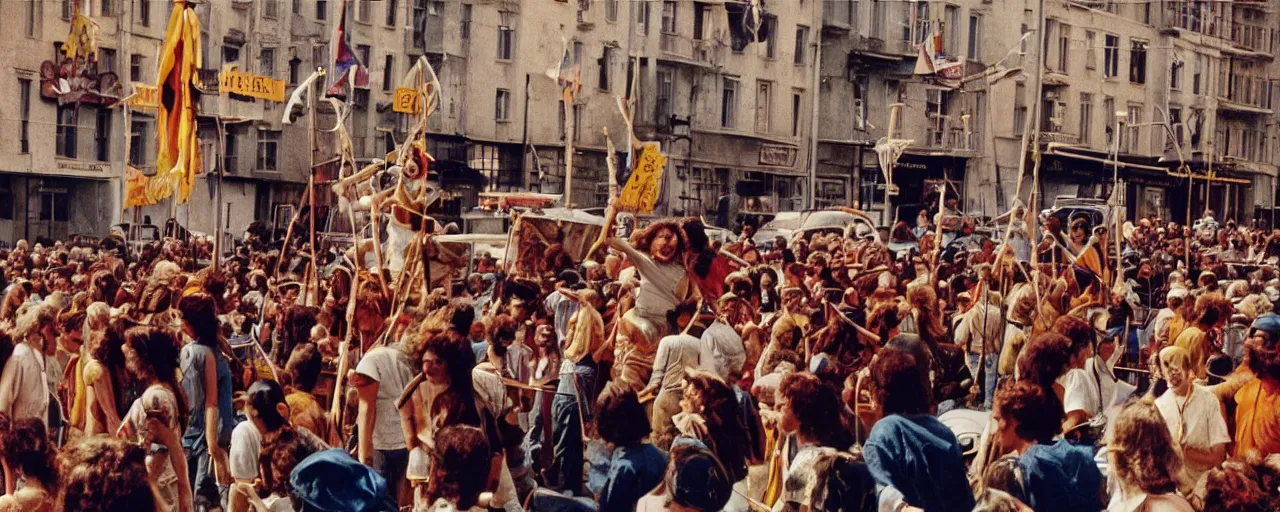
x=311, y=186
x=568, y=150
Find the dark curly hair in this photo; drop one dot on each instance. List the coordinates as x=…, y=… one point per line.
x=104, y=474
x=727, y=430
x=1236, y=487
x=901, y=384
x=458, y=401
x=157, y=360
x=1037, y=419
x=643, y=237
x=621, y=420
x=200, y=312
x=28, y=449
x=460, y=466
x=818, y=408
x=1079, y=332
x=1044, y=359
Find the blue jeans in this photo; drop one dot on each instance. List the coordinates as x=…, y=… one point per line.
x=570, y=408
x=392, y=465
x=987, y=378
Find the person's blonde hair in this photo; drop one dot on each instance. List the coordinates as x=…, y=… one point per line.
x=31, y=320
x=1142, y=451
x=1175, y=356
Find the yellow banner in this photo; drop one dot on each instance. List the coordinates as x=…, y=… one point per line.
x=640, y=195
x=135, y=188
x=253, y=86
x=145, y=96
x=407, y=101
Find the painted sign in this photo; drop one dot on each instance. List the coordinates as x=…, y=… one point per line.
x=640, y=195
x=778, y=156
x=145, y=96
x=253, y=86
x=407, y=101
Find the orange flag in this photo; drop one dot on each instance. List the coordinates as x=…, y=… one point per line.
x=179, y=59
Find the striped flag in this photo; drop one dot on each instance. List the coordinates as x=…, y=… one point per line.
x=346, y=64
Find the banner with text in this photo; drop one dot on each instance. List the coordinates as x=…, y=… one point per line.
x=253, y=86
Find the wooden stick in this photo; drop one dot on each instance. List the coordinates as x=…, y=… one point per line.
x=288, y=233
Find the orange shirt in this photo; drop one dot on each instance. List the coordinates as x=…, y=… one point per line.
x=1258, y=418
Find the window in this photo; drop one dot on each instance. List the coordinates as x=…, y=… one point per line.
x=138, y=143
x=297, y=7
x=30, y=17
x=6, y=201
x=611, y=11
x=1090, y=55
x=764, y=105
x=605, y=62
x=796, y=98
x=699, y=16
x=67, y=131
x=270, y=9
x=388, y=66
x=642, y=14
x=102, y=135
x=1196, y=74
x=231, y=142
x=1135, y=117
x=1022, y=43
x=771, y=41
x=465, y=27
x=268, y=145
x=1111, y=57
x=577, y=123
x=1175, y=122
x=362, y=51
x=362, y=10
x=295, y=70
x=24, y=115
x=230, y=53
x=322, y=10
x=1086, y=116
x=66, y=9
x=106, y=7
x=1064, y=46
x=53, y=206
x=506, y=39
x=728, y=102
x=662, y=106
x=1108, y=113
x=668, y=17
x=106, y=60
x=1138, y=62
x=267, y=62
x=1019, y=109
x=802, y=43
x=560, y=121
x=391, y=12
x=144, y=13
x=951, y=30
x=1175, y=74
x=502, y=105
x=975, y=37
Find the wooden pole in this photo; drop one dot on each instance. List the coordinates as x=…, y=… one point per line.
x=314, y=283
x=568, y=149
x=217, y=206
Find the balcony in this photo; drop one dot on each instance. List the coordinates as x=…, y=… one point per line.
x=838, y=17
x=1206, y=18
x=1251, y=37
x=1244, y=93
x=427, y=41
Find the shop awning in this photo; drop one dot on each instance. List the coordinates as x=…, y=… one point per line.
x=1056, y=149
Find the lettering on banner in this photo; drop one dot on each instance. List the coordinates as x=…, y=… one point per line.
x=640, y=195
x=407, y=101
x=145, y=96
x=253, y=86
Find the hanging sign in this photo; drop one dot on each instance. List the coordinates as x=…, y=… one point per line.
x=407, y=101
x=253, y=86
x=145, y=96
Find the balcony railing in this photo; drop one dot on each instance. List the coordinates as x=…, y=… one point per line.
x=676, y=46
x=1197, y=16
x=1251, y=37
x=839, y=15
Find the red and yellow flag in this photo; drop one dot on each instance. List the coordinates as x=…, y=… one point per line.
x=179, y=59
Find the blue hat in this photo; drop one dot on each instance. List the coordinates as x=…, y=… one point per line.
x=701, y=481
x=332, y=481
x=1269, y=323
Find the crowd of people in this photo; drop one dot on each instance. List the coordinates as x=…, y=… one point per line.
x=663, y=371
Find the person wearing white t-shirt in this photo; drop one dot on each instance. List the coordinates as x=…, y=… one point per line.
x=380, y=379
x=1194, y=416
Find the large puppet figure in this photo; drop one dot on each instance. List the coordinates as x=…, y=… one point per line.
x=658, y=257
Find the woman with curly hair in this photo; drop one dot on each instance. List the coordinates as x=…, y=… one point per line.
x=811, y=412
x=105, y=375
x=29, y=454
x=105, y=474
x=159, y=416
x=657, y=252
x=1144, y=461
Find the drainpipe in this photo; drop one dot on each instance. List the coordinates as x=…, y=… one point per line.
x=813, y=125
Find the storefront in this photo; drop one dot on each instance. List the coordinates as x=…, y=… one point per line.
x=917, y=178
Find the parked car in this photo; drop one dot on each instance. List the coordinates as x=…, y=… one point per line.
x=1067, y=209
